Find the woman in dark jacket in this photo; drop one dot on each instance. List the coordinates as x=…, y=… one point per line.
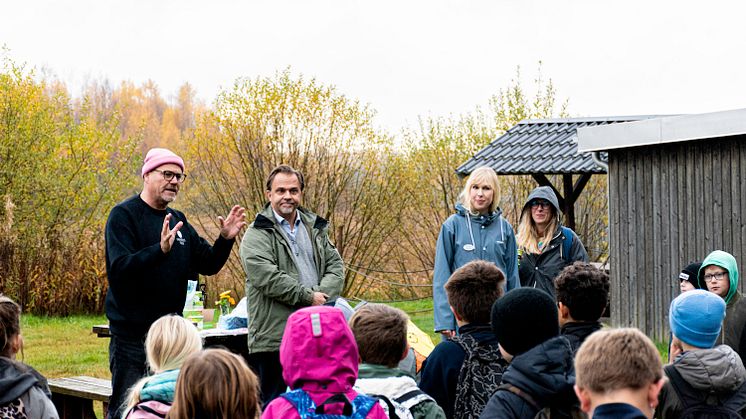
x=545, y=247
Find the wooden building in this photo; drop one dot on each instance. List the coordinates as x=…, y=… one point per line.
x=677, y=187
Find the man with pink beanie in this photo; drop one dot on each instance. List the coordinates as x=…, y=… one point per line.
x=151, y=253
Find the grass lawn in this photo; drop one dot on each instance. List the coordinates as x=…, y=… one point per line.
x=65, y=346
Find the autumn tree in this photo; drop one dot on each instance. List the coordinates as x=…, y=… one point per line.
x=60, y=172
x=263, y=122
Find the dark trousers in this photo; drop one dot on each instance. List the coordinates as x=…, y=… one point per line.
x=267, y=367
x=127, y=364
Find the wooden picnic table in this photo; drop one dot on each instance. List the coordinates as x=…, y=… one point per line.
x=234, y=340
x=73, y=397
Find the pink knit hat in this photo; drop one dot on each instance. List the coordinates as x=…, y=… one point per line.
x=157, y=157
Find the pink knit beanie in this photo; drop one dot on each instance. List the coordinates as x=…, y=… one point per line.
x=157, y=157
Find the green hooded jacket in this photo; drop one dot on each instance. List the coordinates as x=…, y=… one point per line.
x=273, y=291
x=731, y=333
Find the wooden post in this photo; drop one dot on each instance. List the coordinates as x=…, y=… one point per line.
x=569, y=208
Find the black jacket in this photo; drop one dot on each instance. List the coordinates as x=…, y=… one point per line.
x=577, y=332
x=440, y=371
x=145, y=283
x=545, y=373
x=618, y=411
x=539, y=270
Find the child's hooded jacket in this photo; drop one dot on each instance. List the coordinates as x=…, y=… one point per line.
x=318, y=353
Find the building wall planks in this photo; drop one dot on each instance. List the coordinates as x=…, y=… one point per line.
x=669, y=205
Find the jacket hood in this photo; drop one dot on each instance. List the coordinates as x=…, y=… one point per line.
x=14, y=382
x=726, y=261
x=546, y=371
x=544, y=192
x=718, y=370
x=160, y=387
x=318, y=351
x=488, y=219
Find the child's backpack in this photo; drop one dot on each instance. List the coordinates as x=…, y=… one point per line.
x=567, y=411
x=399, y=407
x=13, y=409
x=151, y=409
x=695, y=402
x=358, y=408
x=478, y=378
x=566, y=243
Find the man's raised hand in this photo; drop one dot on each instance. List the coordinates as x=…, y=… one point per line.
x=169, y=235
x=233, y=223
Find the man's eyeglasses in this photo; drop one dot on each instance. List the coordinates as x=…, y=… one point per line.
x=169, y=175
x=542, y=204
x=715, y=277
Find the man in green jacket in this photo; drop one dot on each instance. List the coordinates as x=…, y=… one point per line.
x=719, y=274
x=289, y=263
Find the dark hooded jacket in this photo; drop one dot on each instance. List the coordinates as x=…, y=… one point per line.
x=19, y=381
x=545, y=373
x=718, y=371
x=577, y=332
x=539, y=270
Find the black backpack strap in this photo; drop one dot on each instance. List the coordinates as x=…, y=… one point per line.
x=687, y=395
x=389, y=405
x=520, y=393
x=149, y=410
x=409, y=395
x=337, y=398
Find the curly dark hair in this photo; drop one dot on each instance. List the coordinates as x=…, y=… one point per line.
x=584, y=289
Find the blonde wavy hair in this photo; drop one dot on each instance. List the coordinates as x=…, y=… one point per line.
x=170, y=341
x=527, y=237
x=482, y=175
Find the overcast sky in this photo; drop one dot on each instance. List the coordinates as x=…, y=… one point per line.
x=405, y=58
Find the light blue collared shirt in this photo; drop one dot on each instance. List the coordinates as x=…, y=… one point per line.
x=285, y=225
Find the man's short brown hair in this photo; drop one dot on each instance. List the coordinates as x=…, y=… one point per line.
x=381, y=334
x=615, y=359
x=473, y=288
x=284, y=168
x=584, y=289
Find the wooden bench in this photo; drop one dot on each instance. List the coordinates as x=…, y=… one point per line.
x=73, y=397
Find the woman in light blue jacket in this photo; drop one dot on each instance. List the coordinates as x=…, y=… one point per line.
x=477, y=231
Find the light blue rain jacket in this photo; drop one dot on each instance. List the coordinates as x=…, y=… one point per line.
x=494, y=241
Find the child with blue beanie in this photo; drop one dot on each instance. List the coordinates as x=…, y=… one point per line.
x=701, y=374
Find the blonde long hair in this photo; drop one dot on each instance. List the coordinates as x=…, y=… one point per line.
x=216, y=384
x=482, y=175
x=527, y=236
x=170, y=341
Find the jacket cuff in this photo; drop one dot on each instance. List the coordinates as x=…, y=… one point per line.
x=308, y=296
